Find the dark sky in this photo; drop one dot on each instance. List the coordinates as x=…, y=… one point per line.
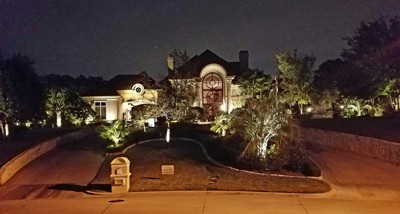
x=109, y=37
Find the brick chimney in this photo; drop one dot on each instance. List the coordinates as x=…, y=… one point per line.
x=244, y=60
x=170, y=62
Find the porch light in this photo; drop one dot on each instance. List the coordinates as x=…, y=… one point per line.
x=309, y=109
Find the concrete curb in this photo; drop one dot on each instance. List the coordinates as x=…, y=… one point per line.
x=9, y=169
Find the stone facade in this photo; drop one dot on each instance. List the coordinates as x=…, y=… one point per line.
x=371, y=147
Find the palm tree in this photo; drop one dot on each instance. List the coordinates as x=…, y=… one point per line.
x=256, y=83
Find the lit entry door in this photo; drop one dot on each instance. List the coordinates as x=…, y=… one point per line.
x=213, y=93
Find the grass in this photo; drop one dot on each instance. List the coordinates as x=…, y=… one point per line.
x=381, y=128
x=194, y=172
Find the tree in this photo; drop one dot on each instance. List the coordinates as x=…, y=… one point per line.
x=141, y=113
x=79, y=112
x=297, y=76
x=65, y=103
x=57, y=103
x=255, y=83
x=179, y=90
x=269, y=137
x=371, y=61
x=180, y=58
x=21, y=91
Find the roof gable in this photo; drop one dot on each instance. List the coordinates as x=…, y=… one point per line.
x=123, y=82
x=193, y=67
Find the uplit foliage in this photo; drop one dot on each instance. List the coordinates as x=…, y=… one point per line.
x=297, y=75
x=392, y=90
x=141, y=113
x=179, y=91
x=57, y=103
x=64, y=103
x=255, y=83
x=115, y=132
x=222, y=123
x=354, y=107
x=268, y=138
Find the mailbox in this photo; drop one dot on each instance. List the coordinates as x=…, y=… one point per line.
x=120, y=175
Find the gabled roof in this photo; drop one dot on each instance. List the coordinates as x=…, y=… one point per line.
x=123, y=82
x=193, y=67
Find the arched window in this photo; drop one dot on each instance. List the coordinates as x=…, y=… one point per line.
x=213, y=93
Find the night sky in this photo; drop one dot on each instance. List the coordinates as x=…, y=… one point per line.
x=109, y=37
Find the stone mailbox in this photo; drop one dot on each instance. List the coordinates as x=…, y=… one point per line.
x=120, y=175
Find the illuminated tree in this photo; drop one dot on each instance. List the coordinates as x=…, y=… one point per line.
x=256, y=83
x=297, y=76
x=57, y=103
x=141, y=113
x=64, y=103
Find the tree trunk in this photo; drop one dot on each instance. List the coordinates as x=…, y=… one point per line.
x=167, y=135
x=3, y=132
x=58, y=115
x=301, y=108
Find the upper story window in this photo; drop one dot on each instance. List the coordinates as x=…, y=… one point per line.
x=138, y=88
x=100, y=109
x=212, y=93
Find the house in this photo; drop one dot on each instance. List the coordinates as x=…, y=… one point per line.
x=216, y=80
x=114, y=99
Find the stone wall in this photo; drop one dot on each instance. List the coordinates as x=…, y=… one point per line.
x=14, y=165
x=371, y=147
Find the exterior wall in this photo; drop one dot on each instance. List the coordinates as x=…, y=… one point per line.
x=112, y=109
x=116, y=106
x=237, y=99
x=112, y=105
x=371, y=147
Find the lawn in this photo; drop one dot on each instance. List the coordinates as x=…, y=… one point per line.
x=194, y=172
x=376, y=127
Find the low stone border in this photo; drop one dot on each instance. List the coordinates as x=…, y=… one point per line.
x=9, y=169
x=374, y=148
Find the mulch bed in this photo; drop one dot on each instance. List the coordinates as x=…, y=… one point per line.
x=192, y=171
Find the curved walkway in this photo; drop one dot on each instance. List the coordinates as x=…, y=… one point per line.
x=353, y=176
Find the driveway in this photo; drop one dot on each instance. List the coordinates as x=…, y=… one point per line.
x=353, y=176
x=68, y=168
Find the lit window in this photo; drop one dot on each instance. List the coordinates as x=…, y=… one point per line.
x=100, y=109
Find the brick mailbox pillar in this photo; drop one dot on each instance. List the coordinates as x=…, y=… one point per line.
x=120, y=175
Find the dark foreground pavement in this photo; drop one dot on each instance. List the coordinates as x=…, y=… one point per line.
x=55, y=183
x=200, y=202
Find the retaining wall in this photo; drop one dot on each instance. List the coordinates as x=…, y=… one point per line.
x=371, y=147
x=9, y=169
